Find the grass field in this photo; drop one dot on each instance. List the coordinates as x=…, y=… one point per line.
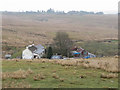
x=78, y=73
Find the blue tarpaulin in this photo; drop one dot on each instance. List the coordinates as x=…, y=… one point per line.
x=87, y=57
x=77, y=53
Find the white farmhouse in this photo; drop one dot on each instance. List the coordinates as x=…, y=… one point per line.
x=33, y=51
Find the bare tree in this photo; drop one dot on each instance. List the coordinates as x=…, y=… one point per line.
x=62, y=44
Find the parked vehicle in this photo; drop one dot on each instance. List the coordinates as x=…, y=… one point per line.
x=65, y=58
x=86, y=57
x=8, y=56
x=56, y=57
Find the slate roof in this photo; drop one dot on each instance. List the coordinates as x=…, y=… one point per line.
x=32, y=48
x=36, y=49
x=40, y=49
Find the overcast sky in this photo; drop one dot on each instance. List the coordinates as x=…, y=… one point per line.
x=107, y=6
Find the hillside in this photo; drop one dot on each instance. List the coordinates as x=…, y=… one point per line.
x=22, y=29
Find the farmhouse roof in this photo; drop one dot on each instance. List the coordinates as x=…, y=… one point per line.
x=40, y=49
x=36, y=48
x=80, y=50
x=39, y=46
x=32, y=48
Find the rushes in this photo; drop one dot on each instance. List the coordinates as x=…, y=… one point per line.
x=61, y=79
x=20, y=74
x=38, y=77
x=109, y=64
x=15, y=84
x=5, y=75
x=55, y=76
x=29, y=71
x=108, y=76
x=85, y=65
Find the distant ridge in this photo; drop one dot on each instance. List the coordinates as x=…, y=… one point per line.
x=52, y=11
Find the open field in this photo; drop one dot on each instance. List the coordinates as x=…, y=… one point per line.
x=74, y=73
x=22, y=29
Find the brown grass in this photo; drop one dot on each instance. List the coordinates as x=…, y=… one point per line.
x=29, y=71
x=110, y=75
x=62, y=79
x=55, y=76
x=109, y=64
x=83, y=76
x=15, y=84
x=6, y=75
x=20, y=74
x=38, y=77
x=87, y=27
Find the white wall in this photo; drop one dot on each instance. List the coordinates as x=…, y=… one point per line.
x=27, y=54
